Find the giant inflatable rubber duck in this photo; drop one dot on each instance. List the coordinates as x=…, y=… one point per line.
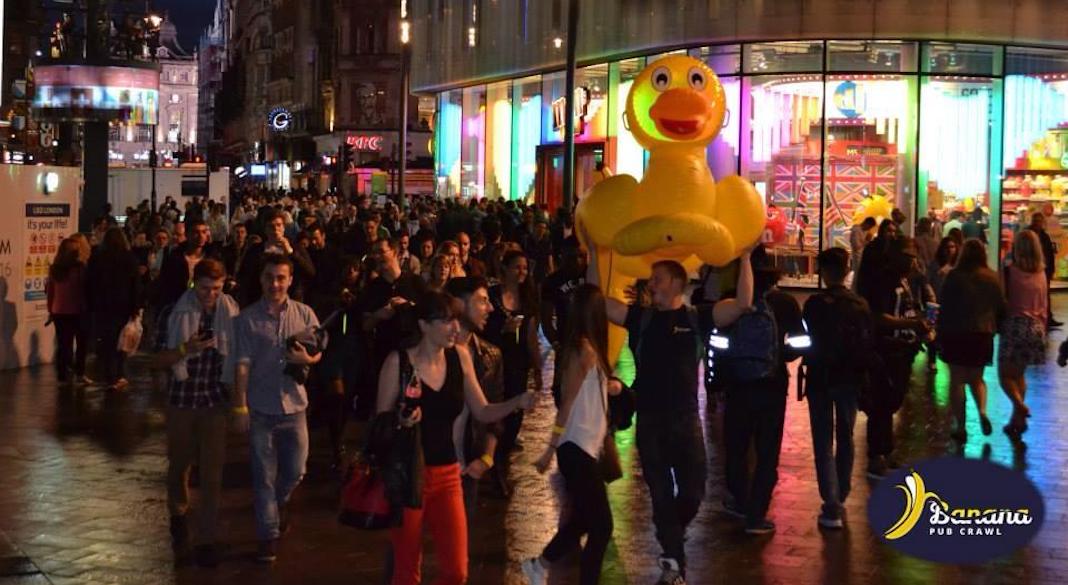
x=675, y=108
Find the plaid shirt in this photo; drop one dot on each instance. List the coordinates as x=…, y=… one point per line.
x=203, y=388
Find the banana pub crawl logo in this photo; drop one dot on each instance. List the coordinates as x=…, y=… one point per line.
x=956, y=510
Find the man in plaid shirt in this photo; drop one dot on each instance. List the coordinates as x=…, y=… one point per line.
x=193, y=340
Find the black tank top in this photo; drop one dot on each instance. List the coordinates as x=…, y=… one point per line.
x=440, y=409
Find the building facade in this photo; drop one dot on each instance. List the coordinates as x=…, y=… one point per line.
x=130, y=144
x=21, y=139
x=941, y=107
x=211, y=64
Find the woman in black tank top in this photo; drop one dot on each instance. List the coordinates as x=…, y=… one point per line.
x=445, y=377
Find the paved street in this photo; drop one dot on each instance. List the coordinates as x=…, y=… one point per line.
x=82, y=500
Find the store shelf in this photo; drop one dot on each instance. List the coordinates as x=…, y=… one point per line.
x=1036, y=172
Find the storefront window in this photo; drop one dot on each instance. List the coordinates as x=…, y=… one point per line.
x=628, y=154
x=959, y=126
x=722, y=59
x=473, y=147
x=447, y=135
x=499, y=140
x=552, y=89
x=873, y=56
x=781, y=156
x=1036, y=145
x=870, y=160
x=787, y=57
x=526, y=135
x=961, y=59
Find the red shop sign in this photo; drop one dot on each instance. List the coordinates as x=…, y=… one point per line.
x=364, y=142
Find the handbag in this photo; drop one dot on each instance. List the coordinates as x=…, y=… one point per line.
x=608, y=463
x=363, y=499
x=389, y=476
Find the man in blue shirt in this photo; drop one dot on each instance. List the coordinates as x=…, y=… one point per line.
x=270, y=403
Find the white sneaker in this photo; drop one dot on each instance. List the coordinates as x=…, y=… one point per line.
x=534, y=571
x=670, y=574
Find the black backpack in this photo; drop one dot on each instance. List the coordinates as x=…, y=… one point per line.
x=753, y=353
x=847, y=345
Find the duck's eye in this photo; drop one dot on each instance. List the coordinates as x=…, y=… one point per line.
x=696, y=78
x=661, y=78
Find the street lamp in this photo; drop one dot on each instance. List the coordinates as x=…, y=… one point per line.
x=154, y=22
x=406, y=53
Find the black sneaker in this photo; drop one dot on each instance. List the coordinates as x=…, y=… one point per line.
x=762, y=527
x=267, y=552
x=206, y=556
x=179, y=533
x=830, y=519
x=877, y=468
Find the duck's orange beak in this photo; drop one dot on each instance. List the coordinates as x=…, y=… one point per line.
x=680, y=114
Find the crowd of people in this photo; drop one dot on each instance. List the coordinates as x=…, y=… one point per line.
x=433, y=314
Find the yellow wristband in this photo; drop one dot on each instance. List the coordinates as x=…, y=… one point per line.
x=181, y=349
x=487, y=459
x=558, y=430
x=239, y=410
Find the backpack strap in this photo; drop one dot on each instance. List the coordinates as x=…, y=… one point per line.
x=695, y=324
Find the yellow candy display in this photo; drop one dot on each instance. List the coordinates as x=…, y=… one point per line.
x=675, y=108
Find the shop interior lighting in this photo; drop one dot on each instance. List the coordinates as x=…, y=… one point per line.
x=558, y=42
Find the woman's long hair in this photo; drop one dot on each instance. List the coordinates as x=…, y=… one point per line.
x=972, y=256
x=528, y=294
x=588, y=320
x=942, y=255
x=115, y=241
x=67, y=259
x=1027, y=252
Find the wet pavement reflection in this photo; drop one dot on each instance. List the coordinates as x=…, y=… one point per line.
x=82, y=499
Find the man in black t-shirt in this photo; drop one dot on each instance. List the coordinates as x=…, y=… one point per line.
x=667, y=340
x=556, y=293
x=900, y=326
x=389, y=312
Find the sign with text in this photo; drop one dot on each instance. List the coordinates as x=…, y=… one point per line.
x=365, y=142
x=46, y=226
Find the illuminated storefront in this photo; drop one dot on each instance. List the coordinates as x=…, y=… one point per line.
x=936, y=127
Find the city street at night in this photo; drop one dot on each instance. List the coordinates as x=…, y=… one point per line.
x=82, y=501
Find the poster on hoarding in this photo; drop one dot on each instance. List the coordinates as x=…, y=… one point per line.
x=45, y=227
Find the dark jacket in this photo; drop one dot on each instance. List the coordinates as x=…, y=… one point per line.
x=174, y=275
x=113, y=286
x=248, y=279
x=972, y=301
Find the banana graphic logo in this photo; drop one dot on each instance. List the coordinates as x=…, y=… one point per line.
x=916, y=497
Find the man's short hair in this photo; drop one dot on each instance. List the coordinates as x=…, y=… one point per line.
x=868, y=223
x=834, y=263
x=209, y=268
x=276, y=260
x=276, y=214
x=193, y=223
x=673, y=268
x=463, y=287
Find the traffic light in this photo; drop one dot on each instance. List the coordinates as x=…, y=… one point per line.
x=348, y=156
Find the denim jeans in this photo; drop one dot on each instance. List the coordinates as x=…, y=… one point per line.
x=753, y=416
x=672, y=451
x=832, y=412
x=279, y=445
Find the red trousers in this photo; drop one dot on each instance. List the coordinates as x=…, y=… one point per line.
x=443, y=514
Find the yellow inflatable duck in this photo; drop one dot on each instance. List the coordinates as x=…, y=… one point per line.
x=675, y=108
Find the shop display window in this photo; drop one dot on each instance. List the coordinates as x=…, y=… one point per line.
x=726, y=62
x=526, y=135
x=722, y=59
x=1036, y=146
x=959, y=127
x=629, y=156
x=869, y=161
x=473, y=144
x=781, y=149
x=552, y=89
x=499, y=140
x=447, y=136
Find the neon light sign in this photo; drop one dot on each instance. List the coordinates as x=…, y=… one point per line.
x=363, y=142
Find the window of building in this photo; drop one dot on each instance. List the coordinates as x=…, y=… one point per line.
x=499, y=140
x=783, y=57
x=1035, y=157
x=629, y=155
x=872, y=56
x=447, y=138
x=527, y=110
x=473, y=143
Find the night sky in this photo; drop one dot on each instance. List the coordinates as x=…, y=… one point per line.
x=190, y=16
